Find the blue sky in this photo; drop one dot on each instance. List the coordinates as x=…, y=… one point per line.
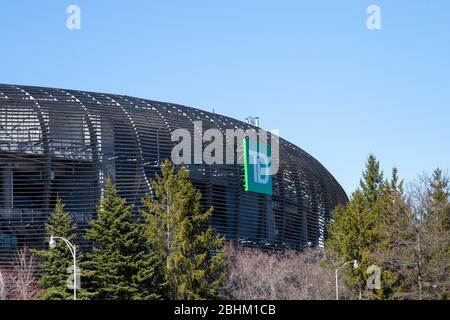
x=310, y=68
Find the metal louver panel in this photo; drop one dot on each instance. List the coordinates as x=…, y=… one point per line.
x=65, y=143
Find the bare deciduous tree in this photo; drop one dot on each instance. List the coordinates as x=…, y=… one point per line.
x=24, y=272
x=20, y=282
x=417, y=246
x=289, y=275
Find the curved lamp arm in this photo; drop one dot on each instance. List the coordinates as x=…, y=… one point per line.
x=68, y=243
x=355, y=265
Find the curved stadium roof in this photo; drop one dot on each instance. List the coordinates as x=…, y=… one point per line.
x=65, y=142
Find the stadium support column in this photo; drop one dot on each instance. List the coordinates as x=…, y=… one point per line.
x=7, y=186
x=270, y=218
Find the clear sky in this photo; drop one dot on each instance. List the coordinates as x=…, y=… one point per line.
x=310, y=68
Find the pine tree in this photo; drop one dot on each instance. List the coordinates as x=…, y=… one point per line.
x=406, y=234
x=417, y=242
x=177, y=228
x=122, y=265
x=355, y=230
x=414, y=247
x=395, y=219
x=438, y=225
x=440, y=193
x=372, y=181
x=56, y=261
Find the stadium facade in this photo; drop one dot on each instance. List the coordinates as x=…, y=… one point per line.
x=65, y=143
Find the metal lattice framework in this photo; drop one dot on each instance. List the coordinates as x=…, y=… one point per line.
x=65, y=142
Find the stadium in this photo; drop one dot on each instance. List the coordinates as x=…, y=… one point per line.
x=65, y=143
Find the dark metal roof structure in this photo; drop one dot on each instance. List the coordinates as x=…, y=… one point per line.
x=65, y=142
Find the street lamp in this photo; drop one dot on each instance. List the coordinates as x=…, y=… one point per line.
x=355, y=265
x=73, y=251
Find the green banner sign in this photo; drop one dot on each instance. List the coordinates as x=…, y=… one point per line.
x=257, y=167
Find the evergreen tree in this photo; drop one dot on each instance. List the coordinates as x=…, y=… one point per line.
x=415, y=247
x=355, y=230
x=177, y=228
x=406, y=234
x=439, y=194
x=438, y=225
x=122, y=265
x=439, y=186
x=56, y=261
x=394, y=220
x=372, y=181
x=403, y=233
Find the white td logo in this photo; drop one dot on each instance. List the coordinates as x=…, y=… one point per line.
x=261, y=169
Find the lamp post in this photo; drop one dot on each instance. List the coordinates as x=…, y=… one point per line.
x=73, y=251
x=355, y=265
